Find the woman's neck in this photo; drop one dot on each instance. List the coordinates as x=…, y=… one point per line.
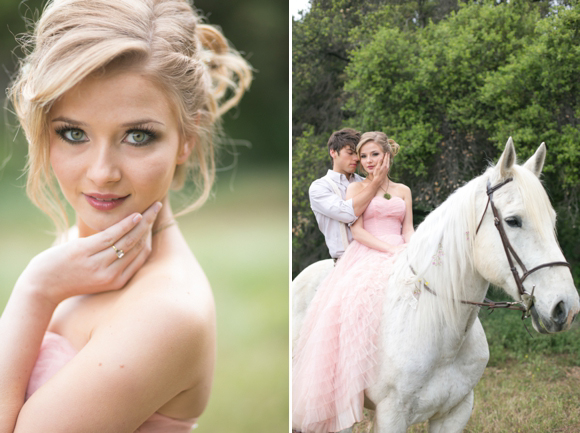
x=383, y=185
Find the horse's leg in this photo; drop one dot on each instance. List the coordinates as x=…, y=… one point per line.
x=388, y=420
x=456, y=419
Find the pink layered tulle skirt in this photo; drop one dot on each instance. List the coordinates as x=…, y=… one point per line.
x=335, y=356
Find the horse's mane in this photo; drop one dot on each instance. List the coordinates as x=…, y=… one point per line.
x=442, y=249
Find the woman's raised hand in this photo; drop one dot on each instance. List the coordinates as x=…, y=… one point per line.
x=382, y=169
x=101, y=262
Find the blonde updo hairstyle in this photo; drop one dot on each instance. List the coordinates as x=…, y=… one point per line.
x=201, y=74
x=388, y=145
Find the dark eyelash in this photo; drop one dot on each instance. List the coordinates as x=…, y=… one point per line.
x=147, y=130
x=60, y=130
x=144, y=128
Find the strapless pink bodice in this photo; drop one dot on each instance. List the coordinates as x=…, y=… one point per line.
x=384, y=218
x=56, y=351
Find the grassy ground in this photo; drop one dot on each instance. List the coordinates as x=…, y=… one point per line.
x=537, y=396
x=531, y=384
x=241, y=240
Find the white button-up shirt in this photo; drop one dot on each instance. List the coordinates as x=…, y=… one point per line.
x=330, y=210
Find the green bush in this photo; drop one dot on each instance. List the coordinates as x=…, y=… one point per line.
x=310, y=160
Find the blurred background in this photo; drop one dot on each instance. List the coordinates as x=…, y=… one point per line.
x=240, y=236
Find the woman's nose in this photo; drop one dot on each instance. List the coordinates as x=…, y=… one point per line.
x=103, y=168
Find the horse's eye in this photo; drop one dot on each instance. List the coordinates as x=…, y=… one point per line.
x=514, y=221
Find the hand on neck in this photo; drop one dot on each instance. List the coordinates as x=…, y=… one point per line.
x=164, y=217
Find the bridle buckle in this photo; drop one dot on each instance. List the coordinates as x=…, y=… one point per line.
x=527, y=301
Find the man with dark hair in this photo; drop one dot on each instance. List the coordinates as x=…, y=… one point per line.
x=333, y=213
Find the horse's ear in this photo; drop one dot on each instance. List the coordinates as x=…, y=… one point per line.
x=507, y=159
x=536, y=162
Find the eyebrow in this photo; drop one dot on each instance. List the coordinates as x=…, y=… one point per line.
x=68, y=120
x=125, y=125
x=141, y=122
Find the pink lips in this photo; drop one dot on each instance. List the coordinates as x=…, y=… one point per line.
x=104, y=201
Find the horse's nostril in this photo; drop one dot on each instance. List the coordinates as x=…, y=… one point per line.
x=559, y=313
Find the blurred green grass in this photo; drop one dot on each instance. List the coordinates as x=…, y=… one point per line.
x=240, y=237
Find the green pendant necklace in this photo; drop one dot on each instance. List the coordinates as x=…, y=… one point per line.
x=386, y=195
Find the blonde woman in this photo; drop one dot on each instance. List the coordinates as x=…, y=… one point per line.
x=113, y=328
x=334, y=357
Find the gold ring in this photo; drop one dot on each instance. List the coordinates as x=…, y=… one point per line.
x=120, y=253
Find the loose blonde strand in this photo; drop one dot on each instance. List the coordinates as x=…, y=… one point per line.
x=74, y=39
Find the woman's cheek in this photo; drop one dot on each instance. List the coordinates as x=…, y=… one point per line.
x=155, y=177
x=65, y=170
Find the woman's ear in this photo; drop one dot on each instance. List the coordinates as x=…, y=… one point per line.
x=185, y=149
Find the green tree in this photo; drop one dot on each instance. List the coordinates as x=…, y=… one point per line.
x=536, y=97
x=422, y=88
x=320, y=56
x=452, y=91
x=320, y=47
x=308, y=243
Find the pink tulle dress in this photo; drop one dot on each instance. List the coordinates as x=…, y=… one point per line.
x=56, y=351
x=335, y=355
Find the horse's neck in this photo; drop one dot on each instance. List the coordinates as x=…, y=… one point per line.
x=475, y=289
x=441, y=254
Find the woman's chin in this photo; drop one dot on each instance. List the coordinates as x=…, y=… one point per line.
x=90, y=225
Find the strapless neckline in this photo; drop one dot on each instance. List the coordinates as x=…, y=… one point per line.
x=56, y=351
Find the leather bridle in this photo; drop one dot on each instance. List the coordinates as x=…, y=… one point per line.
x=526, y=299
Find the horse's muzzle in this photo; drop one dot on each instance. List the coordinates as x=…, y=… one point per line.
x=561, y=317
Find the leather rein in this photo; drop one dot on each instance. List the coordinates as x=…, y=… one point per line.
x=527, y=299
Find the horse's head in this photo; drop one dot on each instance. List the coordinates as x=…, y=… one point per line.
x=524, y=213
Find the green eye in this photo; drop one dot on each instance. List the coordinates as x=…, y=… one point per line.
x=138, y=137
x=74, y=135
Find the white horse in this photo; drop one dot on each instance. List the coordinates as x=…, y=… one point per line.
x=432, y=347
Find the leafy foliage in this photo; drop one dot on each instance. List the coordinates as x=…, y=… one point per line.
x=307, y=241
x=422, y=88
x=320, y=47
x=451, y=90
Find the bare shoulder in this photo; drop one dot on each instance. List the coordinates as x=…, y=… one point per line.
x=174, y=290
x=402, y=190
x=170, y=306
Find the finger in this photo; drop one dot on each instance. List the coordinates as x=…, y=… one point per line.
x=138, y=261
x=113, y=273
x=126, y=243
x=107, y=237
